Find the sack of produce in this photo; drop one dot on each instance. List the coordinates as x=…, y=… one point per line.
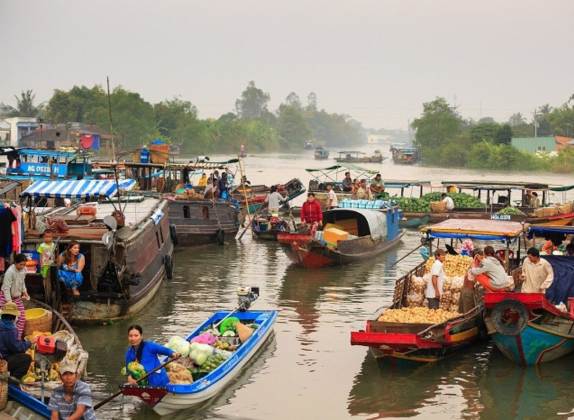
x=179, y=345
x=243, y=331
x=199, y=353
x=228, y=324
x=417, y=285
x=136, y=371
x=205, y=338
x=438, y=206
x=178, y=374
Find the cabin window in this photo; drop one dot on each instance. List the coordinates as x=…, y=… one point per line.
x=157, y=239
x=205, y=212
x=186, y=213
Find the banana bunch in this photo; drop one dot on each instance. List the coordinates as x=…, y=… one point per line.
x=417, y=315
x=454, y=265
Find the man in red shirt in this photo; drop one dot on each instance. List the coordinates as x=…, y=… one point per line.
x=311, y=212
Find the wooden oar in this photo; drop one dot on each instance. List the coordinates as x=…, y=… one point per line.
x=250, y=221
x=111, y=397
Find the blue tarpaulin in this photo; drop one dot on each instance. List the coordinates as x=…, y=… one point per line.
x=563, y=284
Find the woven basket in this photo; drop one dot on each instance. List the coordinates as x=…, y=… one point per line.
x=37, y=319
x=3, y=384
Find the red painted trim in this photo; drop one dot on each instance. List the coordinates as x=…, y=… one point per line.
x=530, y=300
x=151, y=396
x=363, y=338
x=520, y=350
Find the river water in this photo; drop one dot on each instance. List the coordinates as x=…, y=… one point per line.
x=309, y=370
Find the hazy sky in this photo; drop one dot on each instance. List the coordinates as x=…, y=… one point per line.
x=375, y=60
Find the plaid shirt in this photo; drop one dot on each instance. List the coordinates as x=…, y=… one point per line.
x=311, y=212
x=82, y=396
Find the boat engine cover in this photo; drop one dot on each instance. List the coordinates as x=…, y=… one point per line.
x=509, y=317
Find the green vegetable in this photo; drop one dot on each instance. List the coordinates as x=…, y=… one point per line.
x=228, y=324
x=511, y=211
x=422, y=205
x=136, y=371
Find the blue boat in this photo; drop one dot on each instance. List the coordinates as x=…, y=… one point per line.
x=175, y=397
x=527, y=328
x=23, y=405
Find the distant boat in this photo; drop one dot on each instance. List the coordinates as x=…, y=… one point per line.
x=359, y=157
x=405, y=155
x=308, y=145
x=321, y=153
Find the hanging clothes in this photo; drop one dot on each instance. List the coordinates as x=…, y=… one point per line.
x=17, y=229
x=6, y=220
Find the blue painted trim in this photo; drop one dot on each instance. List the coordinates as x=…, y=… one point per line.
x=28, y=401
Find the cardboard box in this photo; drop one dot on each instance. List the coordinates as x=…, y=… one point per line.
x=334, y=235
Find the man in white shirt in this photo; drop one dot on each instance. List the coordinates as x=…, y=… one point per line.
x=536, y=272
x=435, y=283
x=448, y=201
x=274, y=200
x=332, y=200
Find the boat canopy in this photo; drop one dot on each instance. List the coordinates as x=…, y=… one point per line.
x=497, y=185
x=351, y=152
x=394, y=183
x=561, y=188
x=474, y=229
x=83, y=189
x=369, y=222
x=331, y=172
x=48, y=153
x=541, y=230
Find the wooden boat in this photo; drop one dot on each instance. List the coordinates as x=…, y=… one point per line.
x=175, y=397
x=405, y=155
x=125, y=265
x=420, y=343
x=359, y=157
x=432, y=342
x=201, y=222
x=527, y=328
x=321, y=153
x=372, y=232
x=26, y=401
x=268, y=227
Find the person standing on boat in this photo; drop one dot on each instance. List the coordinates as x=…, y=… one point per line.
x=537, y=273
x=466, y=300
x=448, y=201
x=311, y=213
x=71, y=263
x=377, y=185
x=274, y=200
x=435, y=282
x=12, y=348
x=332, y=201
x=347, y=182
x=223, y=186
x=146, y=354
x=72, y=399
x=47, y=251
x=202, y=183
x=14, y=289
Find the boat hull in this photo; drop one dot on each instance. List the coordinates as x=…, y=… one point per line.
x=199, y=222
x=302, y=251
x=527, y=328
x=533, y=345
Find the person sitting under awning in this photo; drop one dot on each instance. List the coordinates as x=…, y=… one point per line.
x=490, y=273
x=536, y=272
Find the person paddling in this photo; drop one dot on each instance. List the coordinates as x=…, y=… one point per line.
x=146, y=353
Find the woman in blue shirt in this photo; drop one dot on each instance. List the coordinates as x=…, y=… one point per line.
x=146, y=353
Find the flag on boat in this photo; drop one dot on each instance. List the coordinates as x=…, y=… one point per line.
x=83, y=189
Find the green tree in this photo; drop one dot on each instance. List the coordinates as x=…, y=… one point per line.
x=253, y=102
x=25, y=106
x=172, y=114
x=437, y=126
x=484, y=131
x=562, y=119
x=292, y=127
x=503, y=134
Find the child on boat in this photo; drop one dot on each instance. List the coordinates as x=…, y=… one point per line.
x=47, y=251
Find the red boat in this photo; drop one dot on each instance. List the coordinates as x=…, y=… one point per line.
x=417, y=342
x=371, y=232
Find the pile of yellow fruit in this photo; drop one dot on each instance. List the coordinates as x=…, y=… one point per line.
x=417, y=315
x=454, y=265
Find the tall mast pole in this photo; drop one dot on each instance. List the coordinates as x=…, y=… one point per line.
x=111, y=121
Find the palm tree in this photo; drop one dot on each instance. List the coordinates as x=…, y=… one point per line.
x=25, y=104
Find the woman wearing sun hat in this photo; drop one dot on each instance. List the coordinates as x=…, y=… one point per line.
x=12, y=349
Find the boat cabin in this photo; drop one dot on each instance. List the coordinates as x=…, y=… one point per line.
x=41, y=164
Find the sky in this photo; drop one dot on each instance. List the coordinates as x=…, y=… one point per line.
x=375, y=60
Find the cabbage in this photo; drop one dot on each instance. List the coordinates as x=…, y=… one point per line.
x=200, y=352
x=179, y=345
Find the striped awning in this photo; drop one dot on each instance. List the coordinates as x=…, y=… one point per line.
x=84, y=189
